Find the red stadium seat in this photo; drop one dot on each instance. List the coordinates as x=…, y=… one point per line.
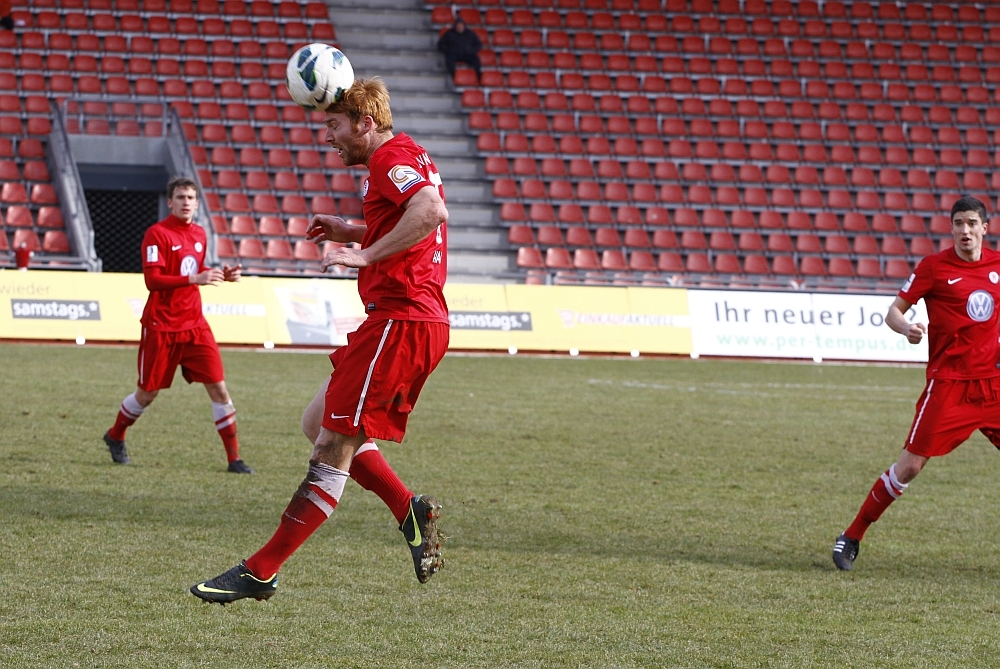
x=19, y=216
x=27, y=237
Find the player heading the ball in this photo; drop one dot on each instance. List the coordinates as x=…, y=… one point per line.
x=174, y=331
x=961, y=288
x=378, y=375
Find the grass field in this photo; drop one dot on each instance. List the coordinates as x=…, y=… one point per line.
x=601, y=513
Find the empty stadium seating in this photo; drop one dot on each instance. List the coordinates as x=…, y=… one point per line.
x=221, y=66
x=772, y=140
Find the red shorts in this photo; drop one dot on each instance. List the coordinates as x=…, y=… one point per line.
x=950, y=410
x=194, y=350
x=378, y=376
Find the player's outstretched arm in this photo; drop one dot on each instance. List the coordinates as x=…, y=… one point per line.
x=323, y=227
x=425, y=211
x=896, y=320
x=232, y=273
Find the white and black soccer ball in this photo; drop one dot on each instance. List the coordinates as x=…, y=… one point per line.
x=317, y=76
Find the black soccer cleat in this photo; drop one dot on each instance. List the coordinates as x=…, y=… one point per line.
x=845, y=552
x=237, y=583
x=421, y=533
x=239, y=467
x=118, y=451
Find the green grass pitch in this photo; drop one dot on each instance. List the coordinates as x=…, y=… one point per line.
x=600, y=513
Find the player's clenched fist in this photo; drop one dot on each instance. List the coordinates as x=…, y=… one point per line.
x=916, y=333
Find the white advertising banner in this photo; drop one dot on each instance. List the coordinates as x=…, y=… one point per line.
x=820, y=326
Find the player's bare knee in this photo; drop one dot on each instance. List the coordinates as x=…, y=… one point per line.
x=336, y=449
x=310, y=425
x=312, y=417
x=908, y=466
x=145, y=397
x=217, y=392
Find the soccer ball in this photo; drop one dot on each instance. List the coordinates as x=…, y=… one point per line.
x=317, y=76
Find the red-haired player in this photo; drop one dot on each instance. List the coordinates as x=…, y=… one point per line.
x=961, y=288
x=377, y=377
x=174, y=331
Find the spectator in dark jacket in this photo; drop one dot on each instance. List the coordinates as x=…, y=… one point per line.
x=460, y=45
x=6, y=19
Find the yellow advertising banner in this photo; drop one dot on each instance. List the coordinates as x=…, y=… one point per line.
x=602, y=319
x=480, y=317
x=312, y=312
x=68, y=305
x=320, y=312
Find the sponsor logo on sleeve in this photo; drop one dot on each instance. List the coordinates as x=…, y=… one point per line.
x=490, y=320
x=364, y=189
x=189, y=266
x=58, y=310
x=405, y=177
x=152, y=253
x=909, y=282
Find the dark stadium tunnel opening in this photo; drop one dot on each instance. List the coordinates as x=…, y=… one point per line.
x=123, y=202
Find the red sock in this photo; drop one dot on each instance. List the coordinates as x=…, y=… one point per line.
x=370, y=470
x=229, y=440
x=122, y=423
x=885, y=491
x=311, y=505
x=128, y=414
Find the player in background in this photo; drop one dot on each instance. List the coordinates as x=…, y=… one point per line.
x=378, y=375
x=961, y=287
x=174, y=331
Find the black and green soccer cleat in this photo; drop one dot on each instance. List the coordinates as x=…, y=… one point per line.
x=421, y=532
x=118, y=451
x=237, y=583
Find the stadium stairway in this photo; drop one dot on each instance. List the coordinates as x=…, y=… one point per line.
x=395, y=40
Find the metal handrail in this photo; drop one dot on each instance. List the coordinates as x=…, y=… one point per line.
x=69, y=188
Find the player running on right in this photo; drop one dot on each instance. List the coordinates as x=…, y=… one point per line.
x=961, y=287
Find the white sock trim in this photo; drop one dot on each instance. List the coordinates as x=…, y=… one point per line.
x=323, y=505
x=224, y=414
x=131, y=407
x=328, y=479
x=365, y=447
x=895, y=481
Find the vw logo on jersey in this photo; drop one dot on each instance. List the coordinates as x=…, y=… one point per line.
x=189, y=267
x=980, y=306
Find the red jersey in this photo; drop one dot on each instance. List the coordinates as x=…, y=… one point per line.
x=179, y=249
x=961, y=300
x=409, y=285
